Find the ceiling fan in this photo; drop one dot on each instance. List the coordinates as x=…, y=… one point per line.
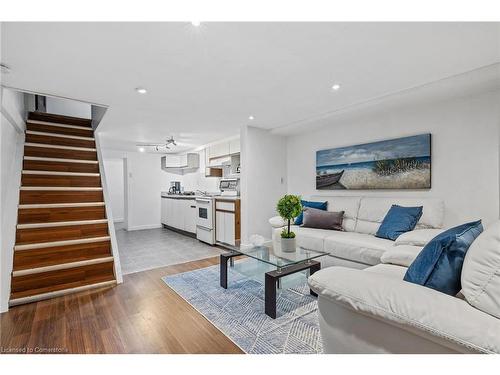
x=157, y=146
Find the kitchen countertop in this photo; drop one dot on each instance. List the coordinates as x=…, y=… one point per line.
x=193, y=197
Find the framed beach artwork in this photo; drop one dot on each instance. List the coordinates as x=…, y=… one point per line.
x=401, y=163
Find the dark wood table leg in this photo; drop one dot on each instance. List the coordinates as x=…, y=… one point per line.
x=224, y=258
x=223, y=271
x=315, y=267
x=270, y=295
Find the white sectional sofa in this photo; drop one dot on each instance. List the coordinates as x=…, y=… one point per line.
x=357, y=247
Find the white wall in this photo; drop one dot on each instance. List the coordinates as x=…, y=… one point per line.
x=68, y=107
x=11, y=152
x=263, y=179
x=465, y=152
x=194, y=180
x=116, y=187
x=143, y=186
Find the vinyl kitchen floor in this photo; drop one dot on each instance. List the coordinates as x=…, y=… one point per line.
x=142, y=250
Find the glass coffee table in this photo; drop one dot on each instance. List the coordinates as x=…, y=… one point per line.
x=286, y=264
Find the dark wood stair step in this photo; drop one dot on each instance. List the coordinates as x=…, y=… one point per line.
x=27, y=285
x=60, y=233
x=59, y=166
x=29, y=179
x=48, y=127
x=60, y=119
x=61, y=153
x=54, y=196
x=55, y=139
x=49, y=256
x=58, y=214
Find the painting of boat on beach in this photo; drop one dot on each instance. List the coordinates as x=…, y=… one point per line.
x=402, y=163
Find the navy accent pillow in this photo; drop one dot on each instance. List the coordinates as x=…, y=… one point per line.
x=319, y=205
x=439, y=264
x=399, y=220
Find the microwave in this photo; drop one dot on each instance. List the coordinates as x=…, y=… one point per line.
x=230, y=186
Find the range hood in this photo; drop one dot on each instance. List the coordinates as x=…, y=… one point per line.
x=223, y=161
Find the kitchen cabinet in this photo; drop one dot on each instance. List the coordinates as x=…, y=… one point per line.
x=179, y=214
x=227, y=221
x=234, y=146
x=219, y=149
x=180, y=163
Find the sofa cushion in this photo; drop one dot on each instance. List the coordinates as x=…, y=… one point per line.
x=314, y=218
x=350, y=206
x=417, y=237
x=439, y=264
x=311, y=238
x=359, y=247
x=318, y=205
x=399, y=220
x=481, y=272
x=403, y=255
x=422, y=311
x=373, y=210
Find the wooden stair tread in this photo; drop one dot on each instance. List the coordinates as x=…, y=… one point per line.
x=15, y=300
x=58, y=166
x=58, y=140
x=54, y=196
x=59, y=153
x=60, y=233
x=60, y=181
x=59, y=266
x=64, y=129
x=62, y=254
x=69, y=120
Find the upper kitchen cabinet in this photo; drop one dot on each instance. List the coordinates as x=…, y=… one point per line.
x=234, y=146
x=180, y=164
x=218, y=150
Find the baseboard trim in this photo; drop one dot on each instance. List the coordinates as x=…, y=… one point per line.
x=142, y=227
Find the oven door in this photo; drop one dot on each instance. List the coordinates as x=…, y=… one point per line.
x=204, y=218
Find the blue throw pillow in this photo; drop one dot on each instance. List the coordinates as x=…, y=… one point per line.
x=319, y=205
x=399, y=220
x=439, y=264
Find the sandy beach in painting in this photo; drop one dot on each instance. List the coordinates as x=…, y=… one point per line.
x=367, y=179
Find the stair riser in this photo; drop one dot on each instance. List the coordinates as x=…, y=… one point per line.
x=59, y=130
x=62, y=254
x=45, y=215
x=33, y=284
x=48, y=117
x=45, y=197
x=59, y=153
x=36, y=165
x=62, y=233
x=50, y=180
x=59, y=141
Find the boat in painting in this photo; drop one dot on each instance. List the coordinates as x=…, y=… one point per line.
x=328, y=179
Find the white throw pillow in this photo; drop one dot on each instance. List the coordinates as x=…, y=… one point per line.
x=403, y=255
x=417, y=237
x=481, y=271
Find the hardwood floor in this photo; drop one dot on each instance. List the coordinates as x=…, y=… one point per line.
x=142, y=315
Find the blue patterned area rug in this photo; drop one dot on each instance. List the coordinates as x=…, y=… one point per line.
x=239, y=311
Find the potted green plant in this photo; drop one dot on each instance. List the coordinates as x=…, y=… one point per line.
x=288, y=207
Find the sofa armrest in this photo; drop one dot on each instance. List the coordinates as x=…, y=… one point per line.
x=277, y=222
x=418, y=309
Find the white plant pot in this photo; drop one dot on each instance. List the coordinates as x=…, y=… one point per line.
x=288, y=245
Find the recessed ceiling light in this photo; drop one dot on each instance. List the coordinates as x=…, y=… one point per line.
x=335, y=87
x=251, y=117
x=195, y=23
x=141, y=90
x=142, y=149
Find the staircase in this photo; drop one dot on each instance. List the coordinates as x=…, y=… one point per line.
x=62, y=238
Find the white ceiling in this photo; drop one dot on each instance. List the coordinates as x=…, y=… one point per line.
x=204, y=82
